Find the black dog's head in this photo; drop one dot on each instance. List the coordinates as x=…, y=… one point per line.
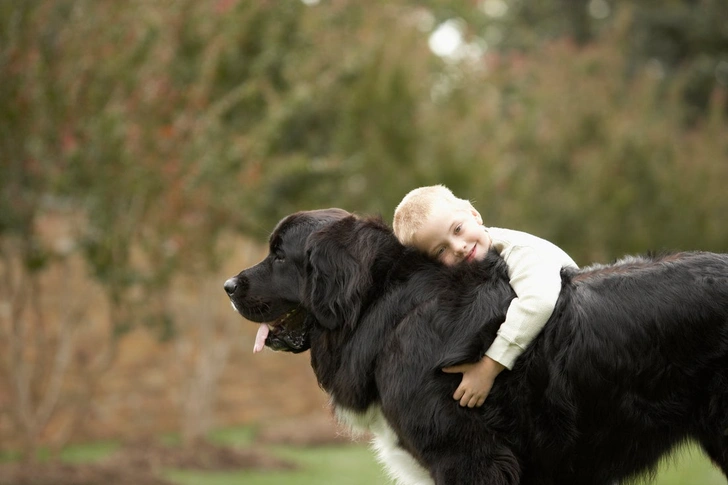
x=310, y=276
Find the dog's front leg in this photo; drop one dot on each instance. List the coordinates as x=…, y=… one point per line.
x=499, y=467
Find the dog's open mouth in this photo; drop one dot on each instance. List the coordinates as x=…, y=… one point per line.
x=287, y=333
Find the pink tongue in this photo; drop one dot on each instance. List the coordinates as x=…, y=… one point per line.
x=260, y=338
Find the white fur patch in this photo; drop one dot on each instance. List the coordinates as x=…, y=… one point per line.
x=398, y=463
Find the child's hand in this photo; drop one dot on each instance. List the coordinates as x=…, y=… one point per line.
x=477, y=380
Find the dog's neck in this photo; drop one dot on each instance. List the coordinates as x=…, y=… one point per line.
x=333, y=353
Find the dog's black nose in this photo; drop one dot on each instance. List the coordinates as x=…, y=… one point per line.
x=230, y=286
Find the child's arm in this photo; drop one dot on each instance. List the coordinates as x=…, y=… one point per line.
x=536, y=280
x=477, y=380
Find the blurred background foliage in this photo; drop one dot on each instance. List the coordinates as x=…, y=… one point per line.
x=159, y=127
x=599, y=124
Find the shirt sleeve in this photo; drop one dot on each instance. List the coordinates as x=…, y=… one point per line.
x=536, y=281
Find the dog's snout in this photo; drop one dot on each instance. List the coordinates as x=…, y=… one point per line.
x=230, y=286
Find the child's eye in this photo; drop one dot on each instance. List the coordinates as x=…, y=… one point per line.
x=439, y=251
x=457, y=229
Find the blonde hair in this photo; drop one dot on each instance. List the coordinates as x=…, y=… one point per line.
x=415, y=208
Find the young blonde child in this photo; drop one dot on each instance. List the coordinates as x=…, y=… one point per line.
x=450, y=230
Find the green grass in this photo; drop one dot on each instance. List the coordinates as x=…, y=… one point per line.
x=355, y=465
x=344, y=465
x=86, y=453
x=71, y=454
x=688, y=466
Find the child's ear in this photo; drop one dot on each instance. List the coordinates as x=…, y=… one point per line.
x=476, y=214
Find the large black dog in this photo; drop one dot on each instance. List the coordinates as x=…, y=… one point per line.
x=633, y=361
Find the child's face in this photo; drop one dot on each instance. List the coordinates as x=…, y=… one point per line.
x=453, y=234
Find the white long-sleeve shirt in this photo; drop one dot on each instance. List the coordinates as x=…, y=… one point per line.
x=534, y=270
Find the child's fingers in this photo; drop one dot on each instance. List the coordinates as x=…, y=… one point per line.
x=467, y=398
x=473, y=401
x=462, y=395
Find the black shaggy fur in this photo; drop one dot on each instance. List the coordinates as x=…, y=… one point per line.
x=633, y=361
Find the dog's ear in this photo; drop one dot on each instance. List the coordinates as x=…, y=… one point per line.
x=337, y=276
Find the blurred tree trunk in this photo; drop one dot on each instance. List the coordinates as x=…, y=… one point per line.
x=38, y=342
x=203, y=348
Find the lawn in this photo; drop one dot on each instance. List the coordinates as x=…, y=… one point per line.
x=343, y=465
x=355, y=465
x=688, y=467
